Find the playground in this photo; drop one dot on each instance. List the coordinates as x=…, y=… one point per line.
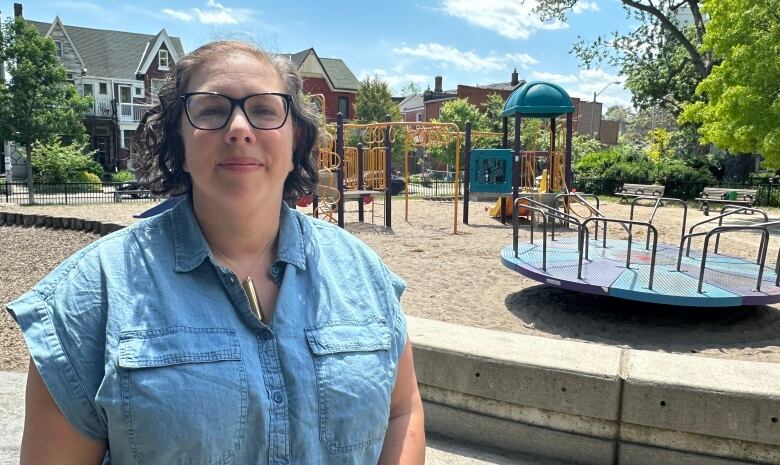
x=460, y=279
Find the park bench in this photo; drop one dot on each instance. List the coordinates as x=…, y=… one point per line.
x=639, y=190
x=746, y=197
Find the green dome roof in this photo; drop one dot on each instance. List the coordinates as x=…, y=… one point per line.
x=538, y=99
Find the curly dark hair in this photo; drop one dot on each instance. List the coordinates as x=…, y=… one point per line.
x=159, y=146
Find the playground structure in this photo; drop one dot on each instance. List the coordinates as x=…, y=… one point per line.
x=363, y=172
x=513, y=171
x=649, y=270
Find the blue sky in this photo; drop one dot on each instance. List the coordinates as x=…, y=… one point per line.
x=465, y=41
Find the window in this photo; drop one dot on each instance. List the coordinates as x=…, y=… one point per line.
x=162, y=59
x=344, y=107
x=88, y=90
x=69, y=78
x=58, y=43
x=139, y=91
x=103, y=88
x=156, y=86
x=419, y=117
x=127, y=143
x=124, y=94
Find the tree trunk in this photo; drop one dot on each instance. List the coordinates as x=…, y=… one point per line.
x=30, y=191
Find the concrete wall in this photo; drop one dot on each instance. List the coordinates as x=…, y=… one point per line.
x=594, y=404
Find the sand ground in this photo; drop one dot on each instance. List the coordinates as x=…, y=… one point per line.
x=460, y=279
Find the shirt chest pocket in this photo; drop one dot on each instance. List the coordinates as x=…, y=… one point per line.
x=355, y=376
x=184, y=394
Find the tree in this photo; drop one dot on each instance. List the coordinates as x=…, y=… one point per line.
x=374, y=101
x=660, y=59
x=37, y=104
x=372, y=104
x=741, y=112
x=410, y=89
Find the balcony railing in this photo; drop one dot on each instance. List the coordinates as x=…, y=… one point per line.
x=132, y=112
x=101, y=108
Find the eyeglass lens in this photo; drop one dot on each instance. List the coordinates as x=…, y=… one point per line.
x=209, y=111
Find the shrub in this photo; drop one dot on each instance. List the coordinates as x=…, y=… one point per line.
x=89, y=182
x=123, y=176
x=54, y=163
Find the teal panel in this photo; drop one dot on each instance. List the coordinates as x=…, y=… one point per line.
x=538, y=99
x=491, y=171
x=669, y=287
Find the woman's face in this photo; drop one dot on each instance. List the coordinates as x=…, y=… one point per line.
x=237, y=163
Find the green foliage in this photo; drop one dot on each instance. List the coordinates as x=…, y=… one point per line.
x=742, y=109
x=374, y=101
x=89, y=182
x=410, y=89
x=582, y=146
x=459, y=111
x=605, y=171
x=123, y=176
x=658, y=141
x=37, y=104
x=54, y=163
x=659, y=58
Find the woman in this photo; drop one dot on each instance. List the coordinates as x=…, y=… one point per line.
x=229, y=329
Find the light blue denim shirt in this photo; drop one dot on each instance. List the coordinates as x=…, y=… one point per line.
x=145, y=341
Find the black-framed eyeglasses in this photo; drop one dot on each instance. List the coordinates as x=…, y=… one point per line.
x=211, y=110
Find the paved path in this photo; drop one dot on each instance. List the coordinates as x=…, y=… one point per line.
x=440, y=451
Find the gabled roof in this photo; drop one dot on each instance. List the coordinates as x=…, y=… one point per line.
x=300, y=57
x=150, y=52
x=336, y=71
x=58, y=22
x=340, y=74
x=411, y=102
x=106, y=53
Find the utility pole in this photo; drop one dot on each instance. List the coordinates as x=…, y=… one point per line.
x=596, y=132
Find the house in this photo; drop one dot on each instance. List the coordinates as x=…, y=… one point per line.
x=122, y=72
x=329, y=77
x=427, y=106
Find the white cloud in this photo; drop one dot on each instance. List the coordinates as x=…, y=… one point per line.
x=180, y=15
x=215, y=13
x=583, y=6
x=513, y=19
x=524, y=59
x=597, y=80
x=398, y=79
x=553, y=77
x=466, y=60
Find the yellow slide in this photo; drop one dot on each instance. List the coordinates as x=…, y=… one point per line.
x=495, y=210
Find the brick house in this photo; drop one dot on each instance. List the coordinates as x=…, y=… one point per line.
x=330, y=77
x=121, y=71
x=427, y=106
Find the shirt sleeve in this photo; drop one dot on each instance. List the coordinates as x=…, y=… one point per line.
x=397, y=317
x=63, y=323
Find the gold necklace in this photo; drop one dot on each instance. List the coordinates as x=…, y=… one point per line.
x=247, y=284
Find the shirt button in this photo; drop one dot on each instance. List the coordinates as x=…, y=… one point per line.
x=278, y=397
x=275, y=269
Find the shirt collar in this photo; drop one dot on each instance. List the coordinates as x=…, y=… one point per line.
x=190, y=247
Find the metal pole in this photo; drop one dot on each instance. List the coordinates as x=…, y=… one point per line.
x=466, y=173
x=551, y=157
x=505, y=132
x=340, y=171
x=567, y=159
x=360, y=185
x=388, y=168
x=516, y=159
